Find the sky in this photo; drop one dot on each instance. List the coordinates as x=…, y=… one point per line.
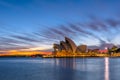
x=37, y=24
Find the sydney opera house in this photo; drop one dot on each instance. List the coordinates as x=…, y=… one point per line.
x=69, y=46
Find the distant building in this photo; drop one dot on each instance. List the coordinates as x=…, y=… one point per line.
x=81, y=48
x=69, y=46
x=93, y=50
x=56, y=48
x=103, y=51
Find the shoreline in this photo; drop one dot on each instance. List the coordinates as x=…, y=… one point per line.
x=82, y=55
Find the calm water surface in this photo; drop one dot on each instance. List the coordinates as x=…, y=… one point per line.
x=59, y=68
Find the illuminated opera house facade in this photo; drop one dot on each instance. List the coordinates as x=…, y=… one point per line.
x=69, y=46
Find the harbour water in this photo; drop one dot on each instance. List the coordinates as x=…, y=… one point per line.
x=59, y=68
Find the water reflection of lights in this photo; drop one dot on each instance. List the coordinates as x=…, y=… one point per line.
x=106, y=68
x=66, y=63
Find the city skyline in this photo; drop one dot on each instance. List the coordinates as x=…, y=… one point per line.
x=36, y=25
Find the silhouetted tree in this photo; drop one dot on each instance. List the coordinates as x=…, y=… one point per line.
x=113, y=49
x=118, y=50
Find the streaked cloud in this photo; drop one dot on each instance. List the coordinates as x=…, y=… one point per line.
x=94, y=33
x=94, y=23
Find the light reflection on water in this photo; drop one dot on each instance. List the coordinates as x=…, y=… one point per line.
x=106, y=68
x=59, y=68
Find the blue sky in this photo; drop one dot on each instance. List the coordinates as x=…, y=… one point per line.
x=37, y=24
